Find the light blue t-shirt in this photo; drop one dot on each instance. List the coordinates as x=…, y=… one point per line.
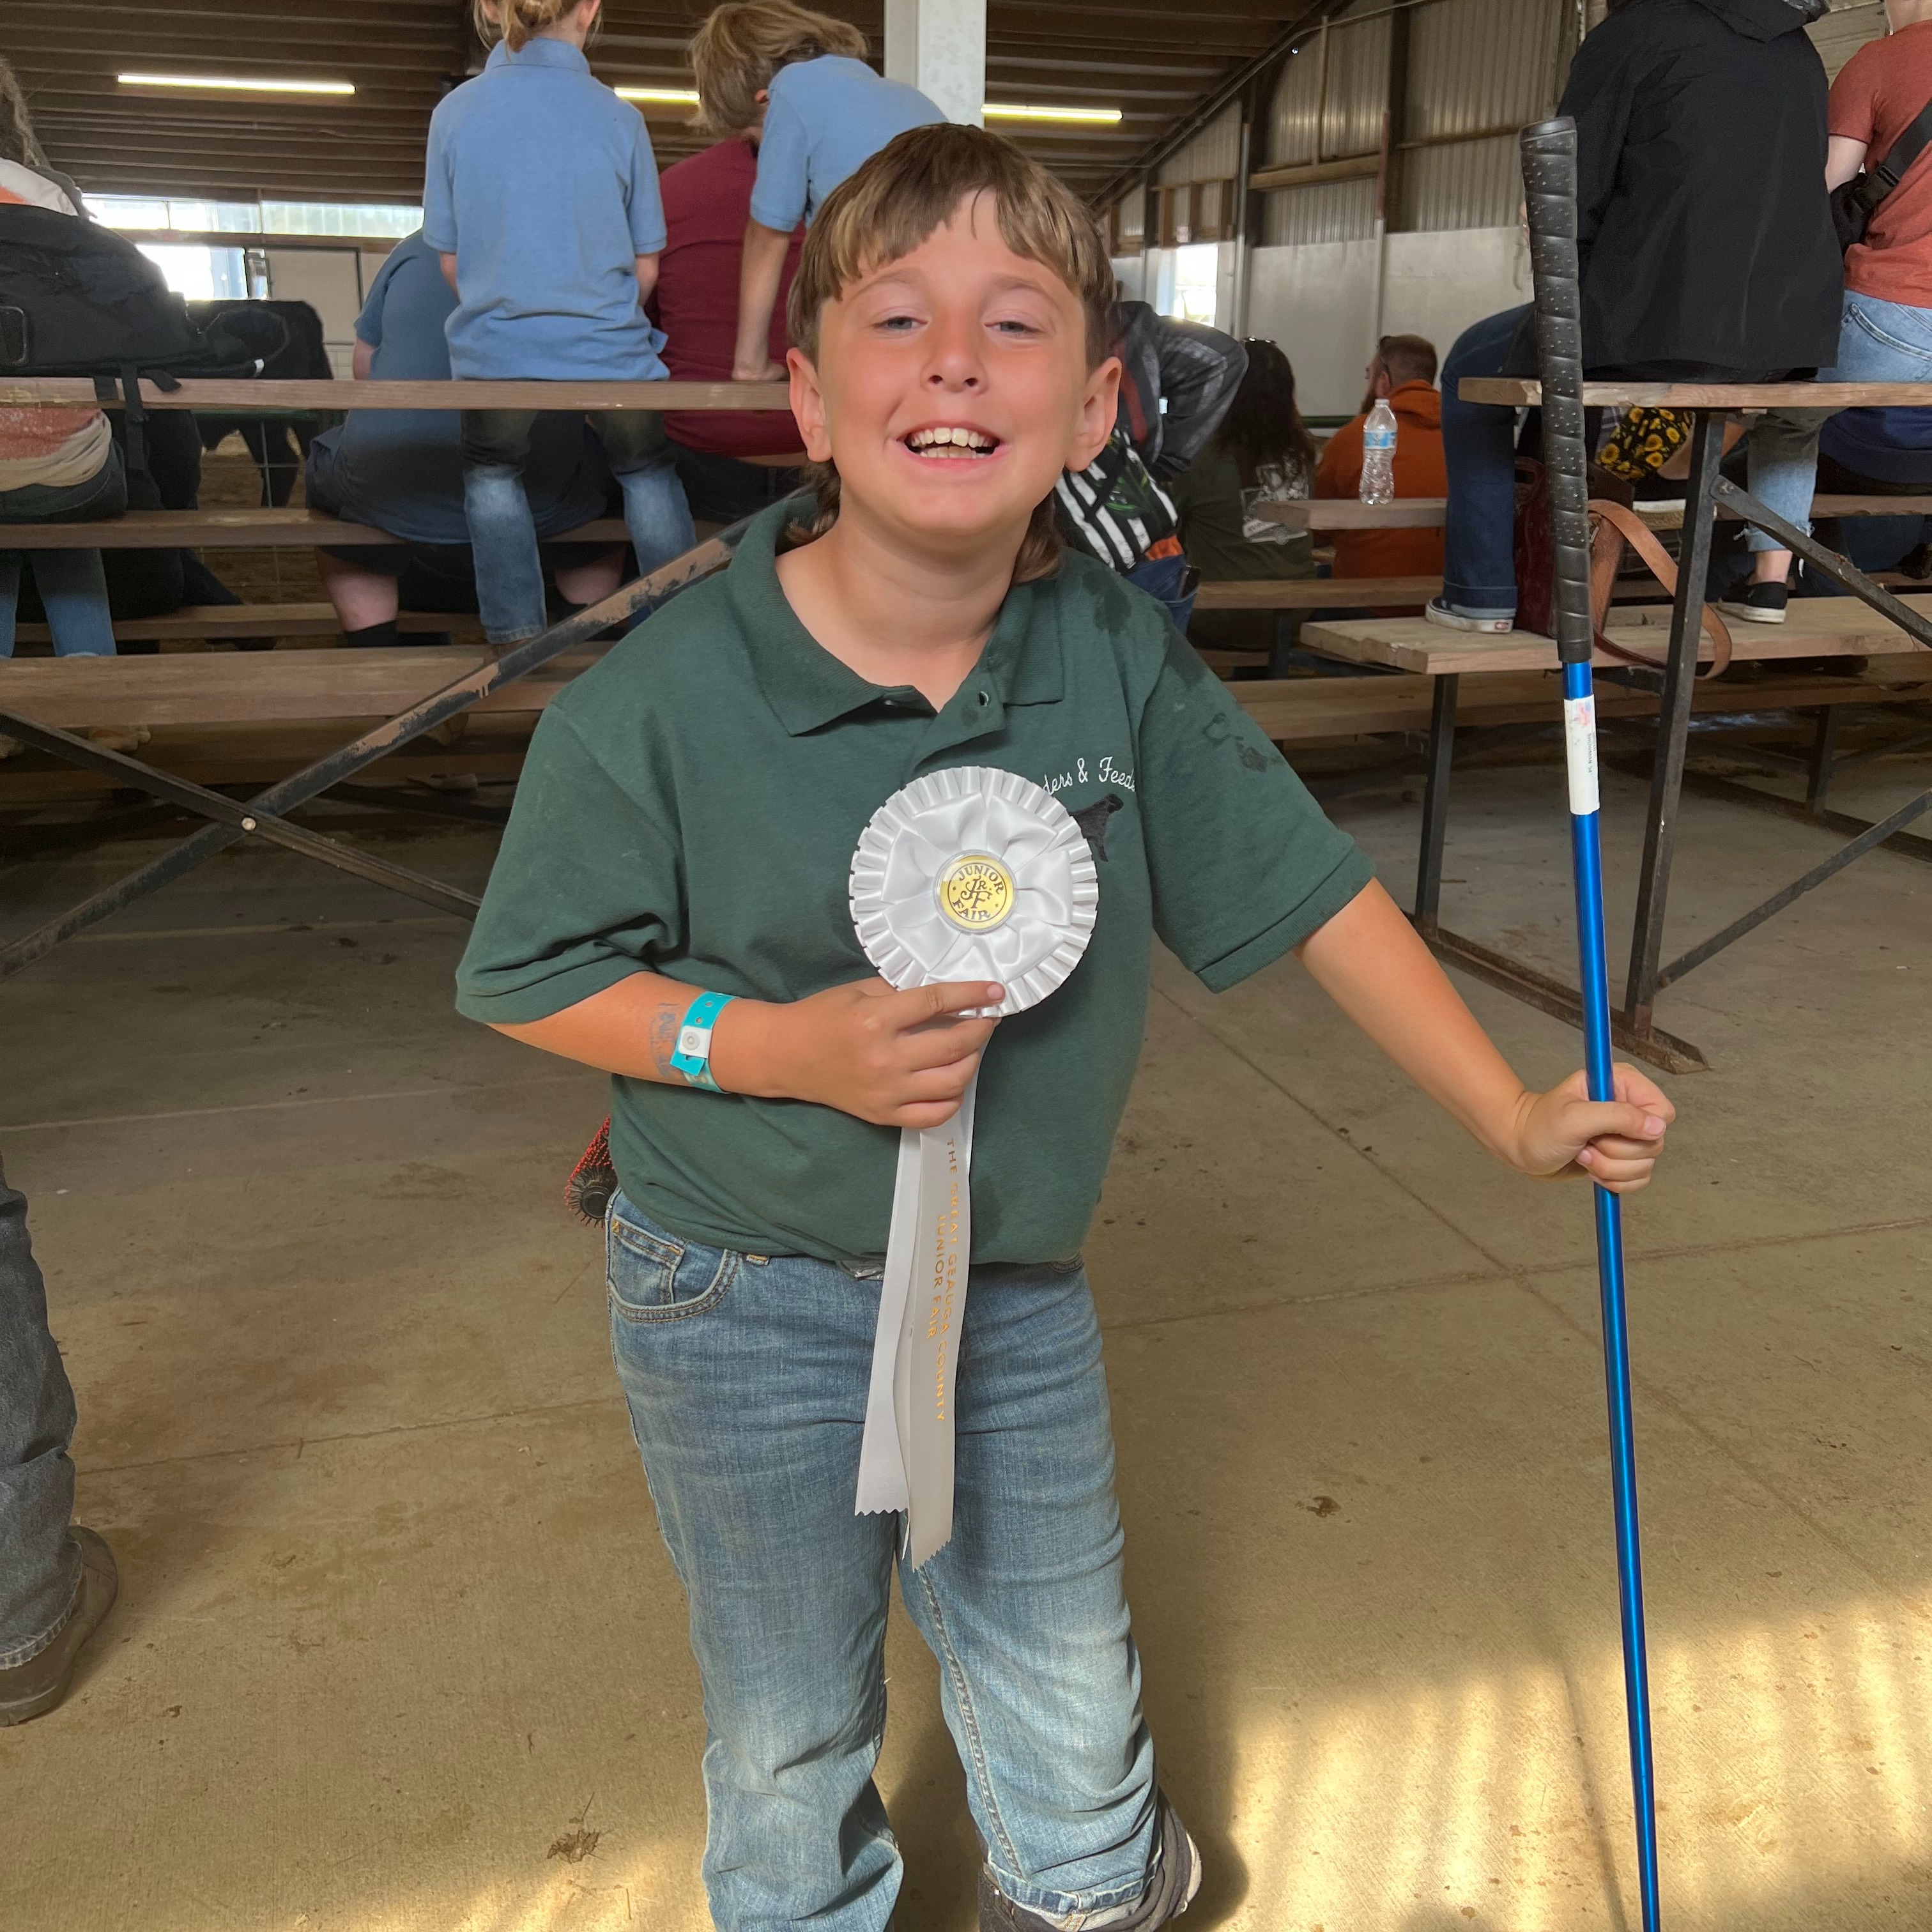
x=827, y=117
x=542, y=184
x=402, y=469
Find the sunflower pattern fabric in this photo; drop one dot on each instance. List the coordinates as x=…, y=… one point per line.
x=1643, y=441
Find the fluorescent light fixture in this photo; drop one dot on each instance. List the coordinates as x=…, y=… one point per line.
x=223, y=83
x=661, y=97
x=1093, y=117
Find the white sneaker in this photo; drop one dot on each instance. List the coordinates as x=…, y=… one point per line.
x=1492, y=624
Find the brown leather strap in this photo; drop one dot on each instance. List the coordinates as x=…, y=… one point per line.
x=1632, y=529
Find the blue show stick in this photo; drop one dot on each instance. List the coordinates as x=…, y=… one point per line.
x=1549, y=177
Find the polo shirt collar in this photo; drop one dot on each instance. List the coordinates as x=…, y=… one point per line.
x=807, y=687
x=540, y=53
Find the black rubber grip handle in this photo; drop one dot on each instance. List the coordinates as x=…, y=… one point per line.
x=1550, y=184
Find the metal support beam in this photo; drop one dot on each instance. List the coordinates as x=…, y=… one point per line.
x=1441, y=757
x=248, y=820
x=1877, y=835
x=1673, y=724
x=633, y=600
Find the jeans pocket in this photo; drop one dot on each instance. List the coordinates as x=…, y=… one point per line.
x=1895, y=349
x=652, y=1277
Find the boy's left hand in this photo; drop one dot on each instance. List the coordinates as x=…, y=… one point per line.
x=1614, y=1142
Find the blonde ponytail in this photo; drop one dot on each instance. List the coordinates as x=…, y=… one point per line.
x=516, y=22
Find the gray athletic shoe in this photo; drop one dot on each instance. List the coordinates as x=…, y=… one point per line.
x=30, y=1689
x=1175, y=1880
x=1453, y=617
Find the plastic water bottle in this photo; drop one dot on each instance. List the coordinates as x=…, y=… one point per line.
x=1379, y=455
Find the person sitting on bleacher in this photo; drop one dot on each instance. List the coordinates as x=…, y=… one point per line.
x=401, y=471
x=1262, y=454
x=1707, y=248
x=1403, y=374
x=56, y=466
x=707, y=203
x=1878, y=453
x=1177, y=380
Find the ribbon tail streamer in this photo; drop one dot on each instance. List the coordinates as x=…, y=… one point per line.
x=906, y=1454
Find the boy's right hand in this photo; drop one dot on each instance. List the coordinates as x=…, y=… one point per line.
x=899, y=1059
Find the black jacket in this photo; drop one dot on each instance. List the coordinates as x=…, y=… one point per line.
x=1705, y=228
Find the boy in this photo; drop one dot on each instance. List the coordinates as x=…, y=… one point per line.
x=684, y=826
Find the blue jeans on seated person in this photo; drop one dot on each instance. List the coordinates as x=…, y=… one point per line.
x=746, y=1379
x=72, y=583
x=1479, y=453
x=1878, y=342
x=1166, y=578
x=40, y=1566
x=503, y=536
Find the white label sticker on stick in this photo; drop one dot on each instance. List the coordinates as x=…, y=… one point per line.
x=1579, y=746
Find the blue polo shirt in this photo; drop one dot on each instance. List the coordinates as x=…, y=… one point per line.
x=542, y=184
x=826, y=117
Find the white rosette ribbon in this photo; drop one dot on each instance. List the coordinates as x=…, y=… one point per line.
x=974, y=874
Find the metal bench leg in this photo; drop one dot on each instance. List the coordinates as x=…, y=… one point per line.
x=1673, y=722
x=1818, y=769
x=633, y=600
x=1436, y=806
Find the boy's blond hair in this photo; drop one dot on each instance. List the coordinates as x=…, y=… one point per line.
x=910, y=189
x=743, y=44
x=516, y=22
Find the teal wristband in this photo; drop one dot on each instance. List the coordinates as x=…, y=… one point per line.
x=693, y=1057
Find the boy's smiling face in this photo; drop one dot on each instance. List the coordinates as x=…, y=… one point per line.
x=952, y=387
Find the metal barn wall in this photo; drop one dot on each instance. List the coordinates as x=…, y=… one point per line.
x=1323, y=282
x=1213, y=154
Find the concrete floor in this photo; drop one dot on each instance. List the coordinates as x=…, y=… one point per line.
x=398, y=1648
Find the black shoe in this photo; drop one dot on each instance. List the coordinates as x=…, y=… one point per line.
x=30, y=1689
x=1176, y=1878
x=1757, y=603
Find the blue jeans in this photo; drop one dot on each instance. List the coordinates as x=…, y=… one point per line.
x=1479, y=452
x=503, y=536
x=40, y=1566
x=1878, y=342
x=72, y=583
x=746, y=1378
x=1166, y=578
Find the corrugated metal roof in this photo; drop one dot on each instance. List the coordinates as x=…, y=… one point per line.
x=1149, y=58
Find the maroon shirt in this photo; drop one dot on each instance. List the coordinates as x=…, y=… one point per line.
x=707, y=200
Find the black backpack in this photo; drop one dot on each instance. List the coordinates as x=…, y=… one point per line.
x=77, y=299
x=1854, y=205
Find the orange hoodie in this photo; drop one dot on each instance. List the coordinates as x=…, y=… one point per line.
x=1418, y=472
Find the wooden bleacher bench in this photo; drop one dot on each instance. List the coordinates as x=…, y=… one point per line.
x=255, y=620
x=1814, y=627
x=237, y=530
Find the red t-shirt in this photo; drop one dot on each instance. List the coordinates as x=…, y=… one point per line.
x=707, y=200
x=1877, y=96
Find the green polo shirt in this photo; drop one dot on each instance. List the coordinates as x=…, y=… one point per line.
x=690, y=806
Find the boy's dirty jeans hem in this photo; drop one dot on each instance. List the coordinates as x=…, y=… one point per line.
x=746, y=1379
x=40, y=1564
